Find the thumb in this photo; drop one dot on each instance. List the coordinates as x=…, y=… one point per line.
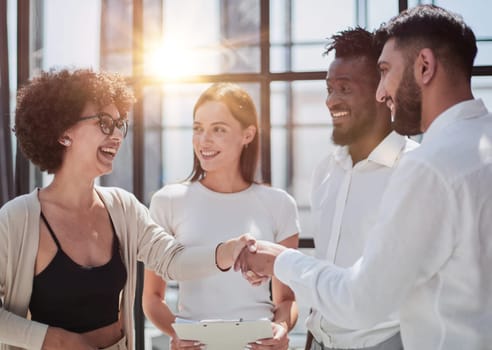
x=252, y=247
x=249, y=241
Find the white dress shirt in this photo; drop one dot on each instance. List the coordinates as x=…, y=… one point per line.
x=430, y=252
x=344, y=205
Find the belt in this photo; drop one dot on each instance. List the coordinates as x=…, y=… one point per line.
x=393, y=343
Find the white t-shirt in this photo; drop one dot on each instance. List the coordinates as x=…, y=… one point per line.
x=196, y=215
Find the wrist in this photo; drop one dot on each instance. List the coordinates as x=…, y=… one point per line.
x=221, y=260
x=283, y=324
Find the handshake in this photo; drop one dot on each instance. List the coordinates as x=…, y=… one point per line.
x=255, y=259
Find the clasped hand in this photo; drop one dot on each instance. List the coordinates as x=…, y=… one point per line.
x=256, y=260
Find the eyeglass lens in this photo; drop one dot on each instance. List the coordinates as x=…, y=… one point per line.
x=108, y=124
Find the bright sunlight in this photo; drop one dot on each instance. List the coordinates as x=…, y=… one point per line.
x=174, y=62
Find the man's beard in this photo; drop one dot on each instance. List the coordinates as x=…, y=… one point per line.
x=408, y=105
x=347, y=137
x=361, y=126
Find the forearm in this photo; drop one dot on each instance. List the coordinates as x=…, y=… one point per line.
x=159, y=313
x=285, y=305
x=174, y=261
x=199, y=262
x=191, y=263
x=21, y=332
x=286, y=314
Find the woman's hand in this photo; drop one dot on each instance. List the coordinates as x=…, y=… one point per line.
x=279, y=341
x=227, y=252
x=60, y=339
x=177, y=344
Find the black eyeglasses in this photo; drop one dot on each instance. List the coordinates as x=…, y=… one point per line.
x=107, y=123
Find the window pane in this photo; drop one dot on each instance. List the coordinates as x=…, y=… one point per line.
x=302, y=102
x=213, y=37
x=70, y=33
x=309, y=103
x=311, y=145
x=308, y=57
x=379, y=11
x=116, y=36
x=298, y=44
x=301, y=136
x=316, y=19
x=167, y=119
x=482, y=88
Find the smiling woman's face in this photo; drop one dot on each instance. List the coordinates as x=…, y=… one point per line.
x=90, y=149
x=218, y=138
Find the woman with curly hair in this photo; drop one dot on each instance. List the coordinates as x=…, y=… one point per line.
x=69, y=251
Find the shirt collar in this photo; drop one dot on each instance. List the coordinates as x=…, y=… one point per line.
x=385, y=154
x=463, y=110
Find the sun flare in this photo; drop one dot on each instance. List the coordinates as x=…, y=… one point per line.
x=171, y=61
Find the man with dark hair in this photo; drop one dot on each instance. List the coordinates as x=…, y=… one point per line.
x=348, y=183
x=430, y=251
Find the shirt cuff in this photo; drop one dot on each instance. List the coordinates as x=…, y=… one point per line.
x=36, y=336
x=283, y=268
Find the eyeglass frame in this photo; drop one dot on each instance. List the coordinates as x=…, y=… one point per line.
x=123, y=122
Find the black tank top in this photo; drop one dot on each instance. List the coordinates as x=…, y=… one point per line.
x=77, y=298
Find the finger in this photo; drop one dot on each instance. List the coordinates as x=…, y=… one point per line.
x=253, y=278
x=257, y=281
x=237, y=263
x=240, y=260
x=256, y=275
x=248, y=240
x=239, y=247
x=270, y=344
x=252, y=246
x=244, y=263
x=188, y=344
x=265, y=344
x=267, y=341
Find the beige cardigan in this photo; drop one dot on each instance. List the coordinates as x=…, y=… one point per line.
x=140, y=240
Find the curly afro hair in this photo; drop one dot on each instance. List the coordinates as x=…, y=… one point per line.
x=353, y=43
x=53, y=102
